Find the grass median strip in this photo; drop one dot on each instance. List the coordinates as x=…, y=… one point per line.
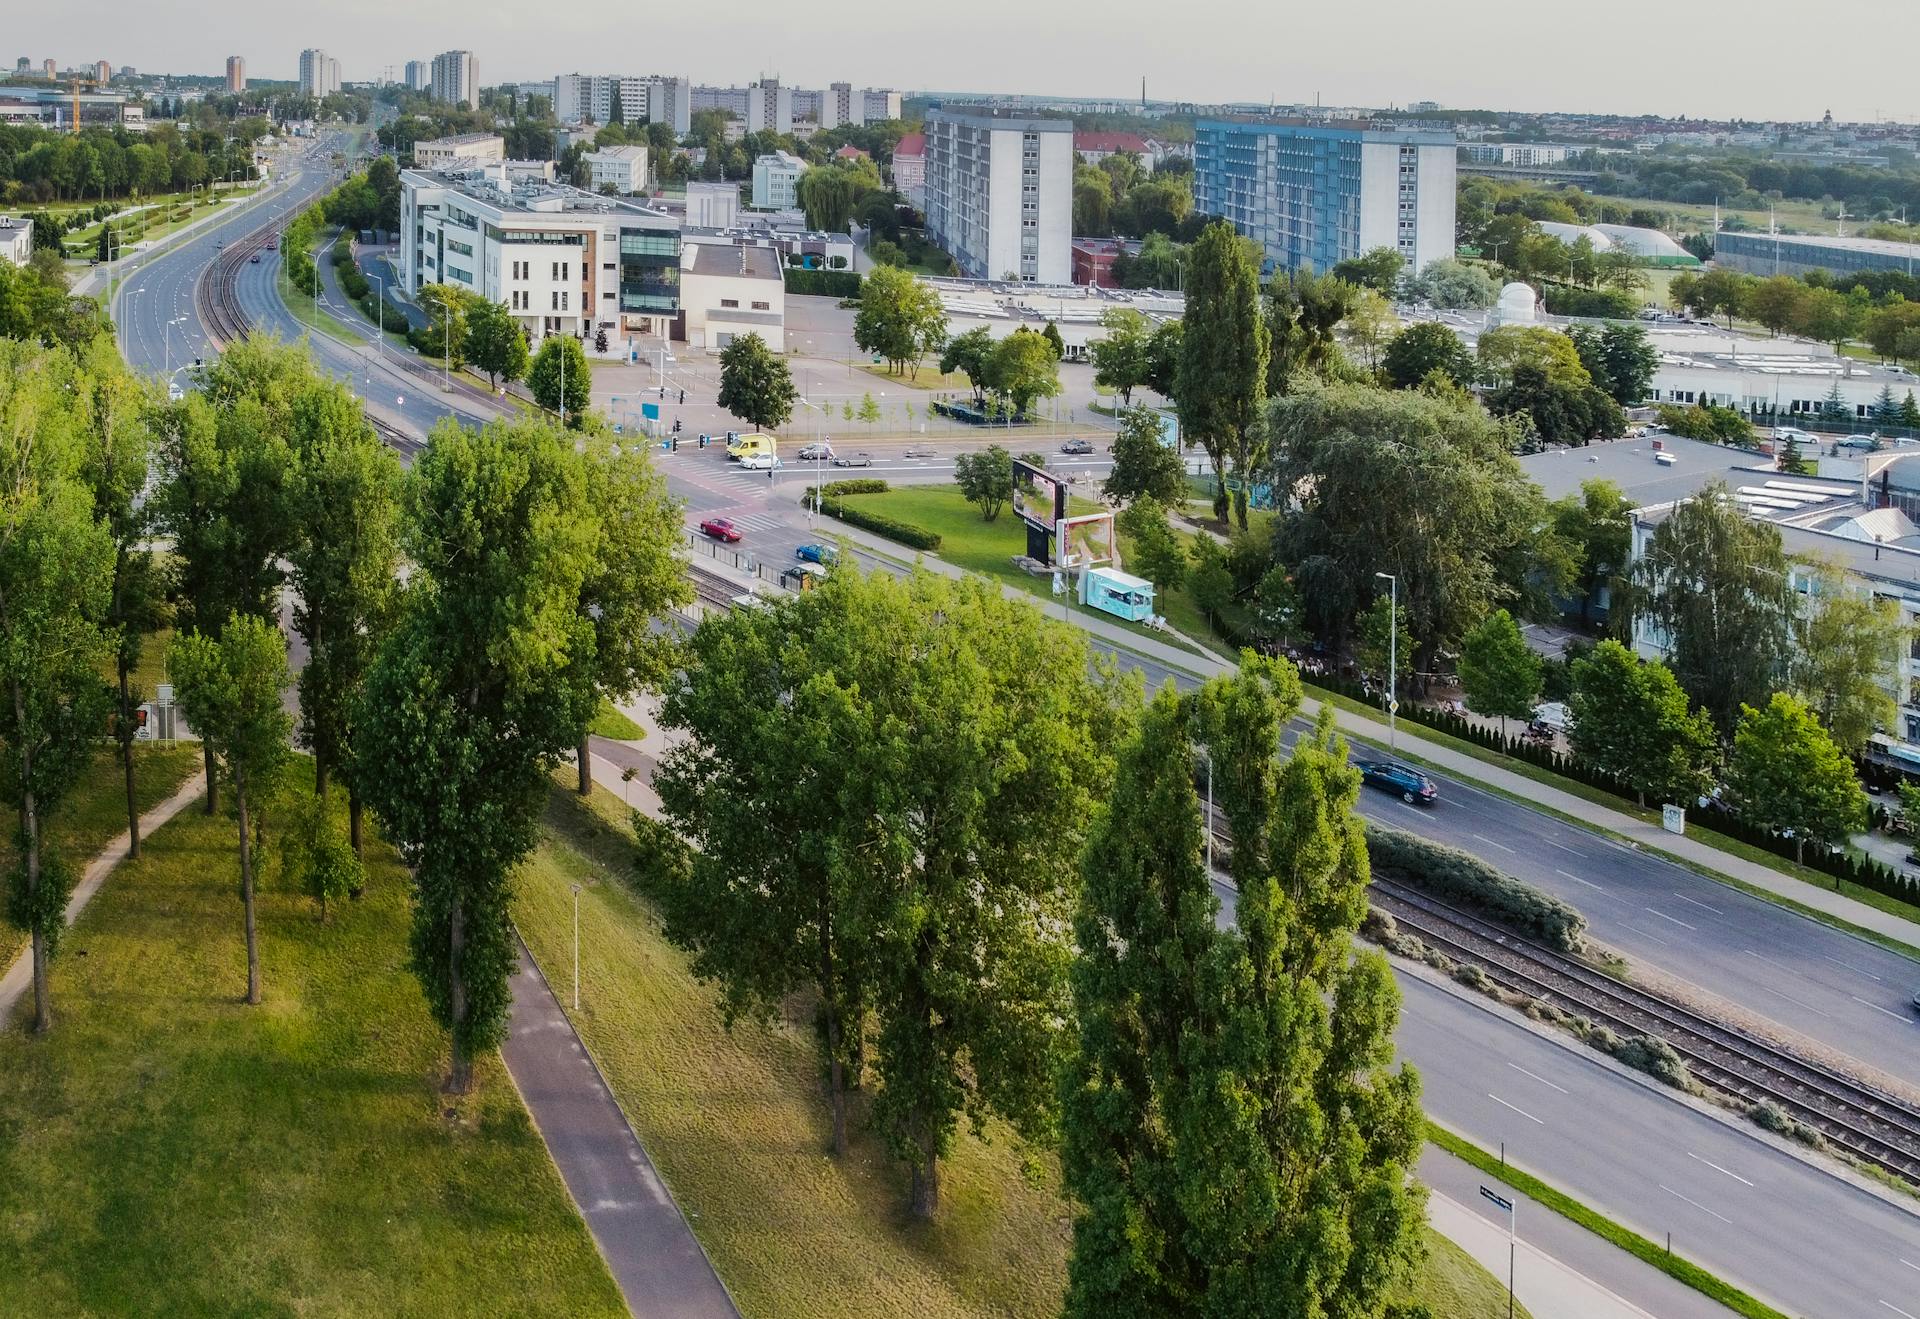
x=1681, y=1270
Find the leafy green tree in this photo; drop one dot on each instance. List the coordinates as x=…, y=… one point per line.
x=1619, y=358
x=1886, y=409
x=1376, y=648
x=1499, y=672
x=830, y=194
x=900, y=319
x=475, y=694
x=494, y=342
x=971, y=354
x=1713, y=582
x=560, y=379
x=1422, y=348
x=1182, y=1078
x=1222, y=376
x=315, y=856
x=1144, y=464
x=1370, y=323
x=448, y=309
x=1209, y=579
x=57, y=566
x=1052, y=335
x=1378, y=269
x=230, y=686
x=1910, y=410
x=1829, y=317
x=1120, y=356
x=1720, y=291
x=1024, y=368
x=869, y=411
x=1505, y=349
x=755, y=384
x=1885, y=327
x=1598, y=524
x=1787, y=774
x=1709, y=422
x=1452, y=285
x=1850, y=642
x=640, y=576
x=1303, y=312
x=1153, y=550
x=985, y=479
x=1633, y=721
x=1778, y=303
x=343, y=509
x=1557, y=412
x=1165, y=351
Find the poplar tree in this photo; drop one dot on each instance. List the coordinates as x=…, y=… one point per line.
x=1223, y=357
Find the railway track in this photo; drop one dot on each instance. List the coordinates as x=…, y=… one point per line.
x=1871, y=1126
x=216, y=293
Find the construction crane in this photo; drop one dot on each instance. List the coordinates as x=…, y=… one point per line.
x=77, y=84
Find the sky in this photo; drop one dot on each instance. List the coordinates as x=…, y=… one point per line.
x=1621, y=56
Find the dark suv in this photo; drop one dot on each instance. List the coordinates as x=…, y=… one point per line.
x=1410, y=785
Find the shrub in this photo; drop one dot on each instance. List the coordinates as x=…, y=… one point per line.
x=1456, y=876
x=1609, y=304
x=858, y=485
x=1656, y=1058
x=823, y=283
x=880, y=524
x=1766, y=1115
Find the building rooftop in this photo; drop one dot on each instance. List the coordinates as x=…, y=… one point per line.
x=910, y=144
x=1111, y=142
x=459, y=140
x=739, y=262
x=1630, y=465
x=1878, y=246
x=1367, y=129
x=497, y=187
x=617, y=153
x=981, y=116
x=785, y=159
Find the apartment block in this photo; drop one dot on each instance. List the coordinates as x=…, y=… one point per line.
x=999, y=194
x=236, y=74
x=776, y=181
x=319, y=73
x=456, y=78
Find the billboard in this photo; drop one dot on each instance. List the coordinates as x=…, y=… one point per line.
x=1040, y=500
x=1087, y=541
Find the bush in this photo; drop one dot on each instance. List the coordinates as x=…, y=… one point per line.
x=1456, y=876
x=858, y=485
x=1656, y=1058
x=823, y=283
x=1607, y=304
x=1766, y=1115
x=880, y=524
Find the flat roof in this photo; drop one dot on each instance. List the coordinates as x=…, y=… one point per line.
x=1363, y=130
x=736, y=262
x=1878, y=246
x=460, y=140
x=1630, y=465
x=982, y=116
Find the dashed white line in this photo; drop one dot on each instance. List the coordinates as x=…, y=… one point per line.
x=1645, y=933
x=1551, y=842
x=1703, y=906
x=1876, y=1007
x=1717, y=1168
x=1851, y=967
x=1576, y=879
x=1663, y=916
x=1521, y=1111
x=1799, y=1002
x=1896, y=1309
x=1541, y=1079
x=1910, y=1264
x=1491, y=843
x=1702, y=1208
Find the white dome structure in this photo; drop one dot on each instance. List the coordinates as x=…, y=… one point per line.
x=1517, y=306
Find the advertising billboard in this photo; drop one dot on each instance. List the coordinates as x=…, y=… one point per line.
x=1039, y=500
x=1087, y=541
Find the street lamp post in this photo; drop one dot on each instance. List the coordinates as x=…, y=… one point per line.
x=1393, y=658
x=576, y=947
x=380, y=314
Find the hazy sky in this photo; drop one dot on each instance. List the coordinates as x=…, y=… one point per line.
x=1650, y=56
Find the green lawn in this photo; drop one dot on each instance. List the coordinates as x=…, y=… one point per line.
x=737, y=1123
x=96, y=811
x=611, y=723
x=921, y=377
x=169, y=1150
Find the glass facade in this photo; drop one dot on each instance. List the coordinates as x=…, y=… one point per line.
x=649, y=270
x=1293, y=190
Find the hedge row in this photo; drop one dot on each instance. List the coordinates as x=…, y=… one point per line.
x=823, y=283
x=880, y=524
x=1466, y=880
x=858, y=485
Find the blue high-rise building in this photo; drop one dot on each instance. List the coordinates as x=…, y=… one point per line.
x=1315, y=194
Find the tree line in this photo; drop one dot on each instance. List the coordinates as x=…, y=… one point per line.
x=40, y=165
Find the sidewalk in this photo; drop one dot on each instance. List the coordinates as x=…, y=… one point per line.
x=19, y=977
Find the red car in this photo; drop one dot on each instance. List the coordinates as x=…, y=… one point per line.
x=720, y=529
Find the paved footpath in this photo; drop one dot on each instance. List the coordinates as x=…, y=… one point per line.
x=652, y=1253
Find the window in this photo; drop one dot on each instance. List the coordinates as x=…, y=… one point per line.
x=762, y=306
x=554, y=305
x=729, y=302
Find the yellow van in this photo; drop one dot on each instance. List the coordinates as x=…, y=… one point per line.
x=744, y=446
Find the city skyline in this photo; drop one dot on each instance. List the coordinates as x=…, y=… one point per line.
x=1412, y=53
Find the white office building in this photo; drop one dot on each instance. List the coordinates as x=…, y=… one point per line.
x=462, y=151
x=999, y=194
x=319, y=73
x=623, y=169
x=562, y=260
x=419, y=75
x=727, y=291
x=712, y=205
x=456, y=78
x=1519, y=154
x=16, y=240
x=610, y=98
x=776, y=181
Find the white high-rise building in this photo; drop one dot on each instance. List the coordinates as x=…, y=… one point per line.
x=319, y=75
x=419, y=75
x=999, y=194
x=769, y=107
x=590, y=98
x=843, y=103
x=456, y=78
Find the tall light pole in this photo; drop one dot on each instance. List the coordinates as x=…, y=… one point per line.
x=576, y=947
x=380, y=314
x=1393, y=658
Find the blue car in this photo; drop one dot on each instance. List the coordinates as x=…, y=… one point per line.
x=1410, y=785
x=822, y=554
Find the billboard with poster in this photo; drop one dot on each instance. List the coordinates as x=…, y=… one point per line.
x=1039, y=499
x=1087, y=541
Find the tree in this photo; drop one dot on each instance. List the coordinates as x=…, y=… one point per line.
x=1885, y=327
x=916, y=882
x=1788, y=775
x=1023, y=368
x=1052, y=335
x=1621, y=269
x=343, y=508
x=1499, y=672
x=830, y=194
x=1557, y=411
x=1185, y=1077
x=1713, y=582
x=1778, y=303
x=1144, y=464
x=1886, y=409
x=1223, y=357
x=1598, y=524
x=57, y=565
x=1850, y=642
x=1303, y=312
x=1377, y=647
x=1829, y=317
x=448, y=309
x=1422, y=348
x=1165, y=351
x=971, y=354
x=1120, y=356
x=475, y=694
x=1910, y=410
x=1509, y=347
x=1632, y=720
x=900, y=318
x=1370, y=324
x=640, y=575
x=1583, y=262
x=1619, y=358
x=495, y=343
x=229, y=686
x=560, y=379
x=1720, y=291
x=869, y=411
x=985, y=479
x=1451, y=285
x=1153, y=551
x=1209, y=580
x=1378, y=269
x=315, y=856
x=755, y=385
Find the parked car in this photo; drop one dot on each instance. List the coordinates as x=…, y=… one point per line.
x=1410, y=785
x=720, y=529
x=1077, y=446
x=817, y=553
x=759, y=462
x=918, y=451
x=853, y=460
x=813, y=453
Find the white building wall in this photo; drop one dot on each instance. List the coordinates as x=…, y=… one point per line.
x=1055, y=264
x=1379, y=195
x=1439, y=177
x=1001, y=205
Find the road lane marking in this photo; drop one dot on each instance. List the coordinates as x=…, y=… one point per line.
x=1703, y=1209
x=1684, y=898
x=1553, y=842
x=1717, y=1168
x=1541, y=1079
x=1851, y=967
x=1910, y=1264
x=1799, y=1002
x=1502, y=846
x=1650, y=935
x=1675, y=919
x=1576, y=879
x=1896, y=1309
x=1876, y=1007
x=1521, y=1111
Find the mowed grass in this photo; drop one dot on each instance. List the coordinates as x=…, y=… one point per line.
x=611, y=723
x=738, y=1124
x=96, y=811
x=169, y=1150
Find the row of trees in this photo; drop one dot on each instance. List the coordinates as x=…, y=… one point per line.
x=40, y=165
x=1784, y=304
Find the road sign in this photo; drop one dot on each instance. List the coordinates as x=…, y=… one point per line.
x=1500, y=1200
x=651, y=411
x=1393, y=707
